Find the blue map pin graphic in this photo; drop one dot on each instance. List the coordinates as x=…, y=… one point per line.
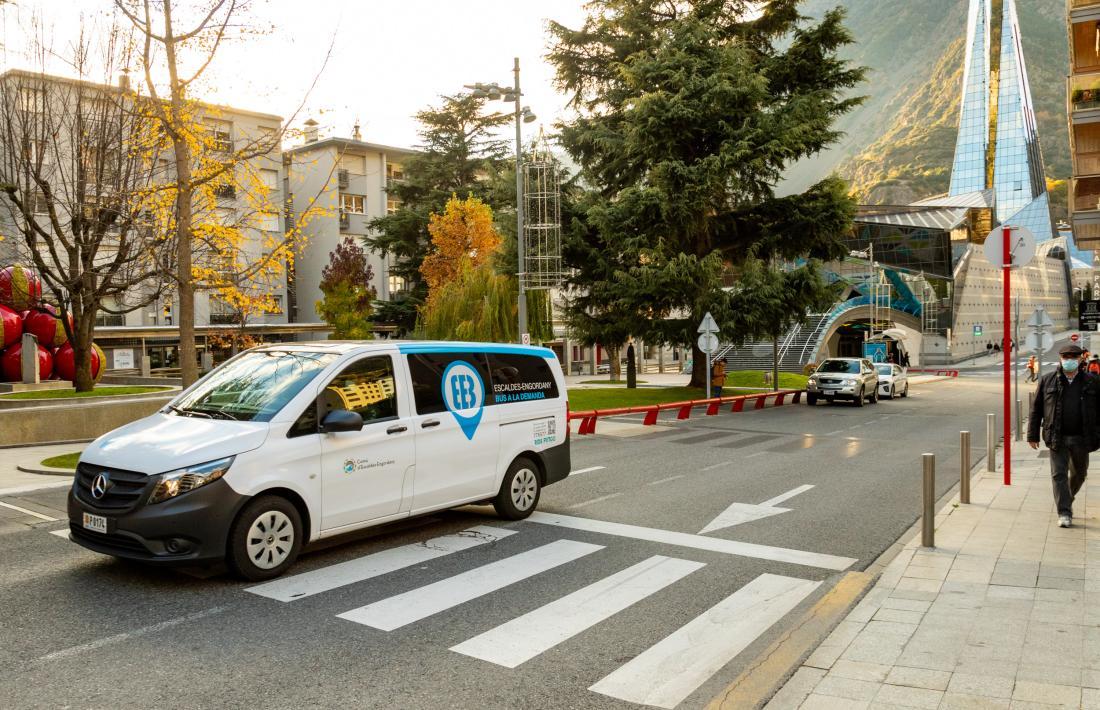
x=464, y=395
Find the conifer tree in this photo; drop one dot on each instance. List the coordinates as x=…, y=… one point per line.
x=688, y=113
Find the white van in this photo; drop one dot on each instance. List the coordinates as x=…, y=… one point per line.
x=287, y=444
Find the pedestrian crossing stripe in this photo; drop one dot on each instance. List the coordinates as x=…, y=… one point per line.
x=397, y=611
x=536, y=632
x=306, y=584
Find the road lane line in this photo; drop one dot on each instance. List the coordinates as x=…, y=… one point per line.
x=771, y=502
x=397, y=611
x=717, y=465
x=30, y=512
x=665, y=480
x=830, y=433
x=667, y=672
x=118, y=638
x=299, y=586
x=63, y=533
x=590, y=469
x=758, y=453
x=594, y=500
x=698, y=542
x=536, y=632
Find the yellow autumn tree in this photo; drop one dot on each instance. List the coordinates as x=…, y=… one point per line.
x=463, y=238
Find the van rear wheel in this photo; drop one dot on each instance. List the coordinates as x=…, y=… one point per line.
x=519, y=491
x=265, y=538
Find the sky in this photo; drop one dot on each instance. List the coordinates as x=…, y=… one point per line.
x=390, y=58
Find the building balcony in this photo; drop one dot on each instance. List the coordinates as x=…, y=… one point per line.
x=1085, y=148
x=345, y=221
x=1078, y=4
x=1084, y=92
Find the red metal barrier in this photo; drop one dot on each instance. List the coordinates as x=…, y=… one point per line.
x=588, y=419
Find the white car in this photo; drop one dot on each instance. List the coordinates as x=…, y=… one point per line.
x=892, y=380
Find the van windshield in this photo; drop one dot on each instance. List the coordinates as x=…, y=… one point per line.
x=848, y=366
x=253, y=386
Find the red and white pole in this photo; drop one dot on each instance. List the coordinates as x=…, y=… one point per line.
x=1009, y=355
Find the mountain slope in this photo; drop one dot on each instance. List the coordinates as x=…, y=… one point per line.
x=900, y=143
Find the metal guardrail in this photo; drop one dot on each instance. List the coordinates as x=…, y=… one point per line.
x=588, y=418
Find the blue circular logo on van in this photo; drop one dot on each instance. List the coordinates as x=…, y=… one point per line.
x=464, y=395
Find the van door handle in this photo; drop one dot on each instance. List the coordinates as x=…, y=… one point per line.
x=429, y=423
x=397, y=429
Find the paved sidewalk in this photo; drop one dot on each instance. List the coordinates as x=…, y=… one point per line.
x=14, y=481
x=1003, y=613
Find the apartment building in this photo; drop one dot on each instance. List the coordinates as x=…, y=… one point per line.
x=1083, y=108
x=344, y=181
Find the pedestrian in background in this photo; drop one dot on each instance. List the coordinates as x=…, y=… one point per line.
x=1066, y=411
x=1094, y=365
x=717, y=378
x=1032, y=369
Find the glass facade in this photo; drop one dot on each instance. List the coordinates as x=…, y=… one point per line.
x=968, y=173
x=1017, y=163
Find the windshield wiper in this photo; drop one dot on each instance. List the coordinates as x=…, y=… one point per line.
x=216, y=414
x=190, y=412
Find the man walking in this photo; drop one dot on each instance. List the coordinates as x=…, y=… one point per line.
x=717, y=378
x=1067, y=411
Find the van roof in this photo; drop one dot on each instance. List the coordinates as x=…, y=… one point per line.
x=408, y=346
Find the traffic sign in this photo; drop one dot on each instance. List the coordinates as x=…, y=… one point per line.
x=977, y=331
x=708, y=325
x=1088, y=316
x=525, y=338
x=1021, y=247
x=1075, y=337
x=1039, y=342
x=1039, y=319
x=708, y=343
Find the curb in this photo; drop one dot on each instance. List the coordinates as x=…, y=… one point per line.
x=46, y=470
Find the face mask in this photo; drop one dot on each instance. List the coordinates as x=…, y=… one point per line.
x=1070, y=365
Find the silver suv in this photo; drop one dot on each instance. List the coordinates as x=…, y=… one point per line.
x=851, y=378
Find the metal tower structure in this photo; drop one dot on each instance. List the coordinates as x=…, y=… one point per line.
x=542, y=226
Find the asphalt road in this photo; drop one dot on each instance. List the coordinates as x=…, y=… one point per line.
x=653, y=610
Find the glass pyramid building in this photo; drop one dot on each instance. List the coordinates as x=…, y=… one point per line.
x=1013, y=169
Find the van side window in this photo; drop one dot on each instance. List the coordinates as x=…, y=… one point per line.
x=306, y=423
x=365, y=387
x=519, y=378
x=426, y=371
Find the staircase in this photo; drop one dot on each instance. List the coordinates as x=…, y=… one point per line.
x=794, y=348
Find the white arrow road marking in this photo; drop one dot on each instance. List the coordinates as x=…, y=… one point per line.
x=590, y=469
x=739, y=513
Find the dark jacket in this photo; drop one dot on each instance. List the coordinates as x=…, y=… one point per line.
x=1046, y=410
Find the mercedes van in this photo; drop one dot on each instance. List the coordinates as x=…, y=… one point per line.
x=287, y=444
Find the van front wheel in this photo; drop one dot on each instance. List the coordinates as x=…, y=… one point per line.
x=265, y=539
x=519, y=491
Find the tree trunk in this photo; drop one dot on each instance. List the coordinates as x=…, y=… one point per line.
x=775, y=363
x=83, y=331
x=614, y=368
x=185, y=311
x=699, y=372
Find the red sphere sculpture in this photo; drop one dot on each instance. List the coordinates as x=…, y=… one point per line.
x=10, y=363
x=44, y=324
x=65, y=362
x=19, y=287
x=11, y=326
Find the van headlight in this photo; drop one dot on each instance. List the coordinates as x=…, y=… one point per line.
x=180, y=481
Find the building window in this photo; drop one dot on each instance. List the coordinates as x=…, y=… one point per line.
x=354, y=164
x=392, y=205
x=352, y=204
x=394, y=173
x=220, y=134
x=39, y=203
x=276, y=307
x=397, y=284
x=32, y=99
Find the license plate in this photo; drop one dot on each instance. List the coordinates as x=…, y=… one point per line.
x=95, y=522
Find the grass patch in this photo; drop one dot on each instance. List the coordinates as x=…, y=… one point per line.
x=755, y=378
x=62, y=461
x=109, y=391
x=609, y=383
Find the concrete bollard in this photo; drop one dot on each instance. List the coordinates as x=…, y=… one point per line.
x=964, y=467
x=28, y=360
x=928, y=514
x=991, y=442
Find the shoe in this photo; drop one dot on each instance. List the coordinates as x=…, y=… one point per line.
x=1064, y=521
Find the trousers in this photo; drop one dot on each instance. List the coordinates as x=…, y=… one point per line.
x=1069, y=466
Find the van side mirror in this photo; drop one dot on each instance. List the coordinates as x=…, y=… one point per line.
x=341, y=420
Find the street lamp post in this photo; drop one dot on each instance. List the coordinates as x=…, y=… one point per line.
x=523, y=115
